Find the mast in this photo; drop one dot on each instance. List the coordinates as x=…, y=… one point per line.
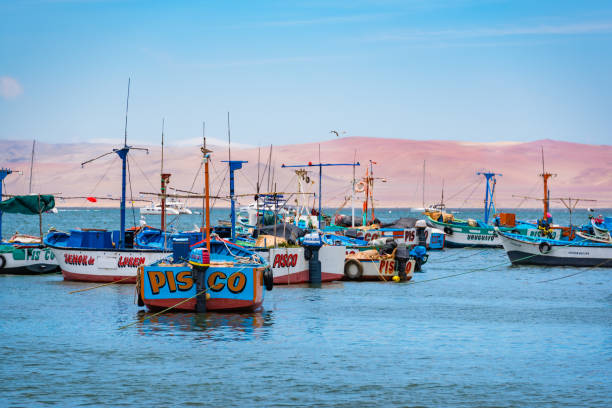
x=353, y=193
x=206, y=156
x=258, y=186
x=372, y=188
x=365, y=202
x=3, y=173
x=545, y=176
x=122, y=153
x=490, y=190
x=32, y=165
x=320, y=165
x=233, y=166
x=203, y=184
x=165, y=178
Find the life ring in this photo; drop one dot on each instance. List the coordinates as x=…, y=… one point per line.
x=360, y=187
x=448, y=230
x=268, y=278
x=307, y=253
x=544, y=247
x=353, y=269
x=2, y=262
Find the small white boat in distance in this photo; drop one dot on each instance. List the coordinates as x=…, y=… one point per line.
x=173, y=207
x=156, y=209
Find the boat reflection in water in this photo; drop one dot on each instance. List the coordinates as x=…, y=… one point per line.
x=208, y=326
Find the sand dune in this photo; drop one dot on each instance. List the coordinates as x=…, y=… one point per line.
x=582, y=170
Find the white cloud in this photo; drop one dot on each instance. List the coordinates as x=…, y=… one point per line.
x=10, y=88
x=483, y=32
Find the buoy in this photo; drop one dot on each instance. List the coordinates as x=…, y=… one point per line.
x=396, y=278
x=207, y=296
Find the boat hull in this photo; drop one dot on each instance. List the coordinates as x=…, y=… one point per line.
x=522, y=252
x=89, y=265
x=229, y=288
x=290, y=266
x=379, y=269
x=28, y=260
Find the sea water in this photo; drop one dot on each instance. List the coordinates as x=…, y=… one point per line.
x=470, y=331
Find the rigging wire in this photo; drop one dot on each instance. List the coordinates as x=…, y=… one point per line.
x=472, y=193
x=131, y=194
x=143, y=173
x=104, y=175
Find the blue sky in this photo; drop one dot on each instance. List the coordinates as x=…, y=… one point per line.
x=291, y=71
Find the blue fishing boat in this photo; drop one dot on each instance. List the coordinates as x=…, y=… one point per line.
x=212, y=274
x=227, y=278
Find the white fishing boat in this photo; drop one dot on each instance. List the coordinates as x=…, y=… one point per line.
x=543, y=251
x=291, y=265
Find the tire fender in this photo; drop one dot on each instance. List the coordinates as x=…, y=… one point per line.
x=347, y=268
x=544, y=247
x=268, y=278
x=2, y=261
x=448, y=230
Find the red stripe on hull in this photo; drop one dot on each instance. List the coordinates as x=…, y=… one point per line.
x=303, y=277
x=211, y=304
x=82, y=277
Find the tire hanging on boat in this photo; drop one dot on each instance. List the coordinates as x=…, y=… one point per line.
x=2, y=262
x=544, y=247
x=268, y=278
x=448, y=230
x=356, y=274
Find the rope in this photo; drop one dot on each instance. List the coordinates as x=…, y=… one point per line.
x=131, y=194
x=577, y=273
x=163, y=311
x=463, y=189
x=470, y=196
x=99, y=286
x=143, y=174
x=104, y=175
x=451, y=257
x=489, y=267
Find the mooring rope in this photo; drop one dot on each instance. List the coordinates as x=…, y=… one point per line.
x=577, y=273
x=494, y=266
x=99, y=286
x=453, y=257
x=163, y=311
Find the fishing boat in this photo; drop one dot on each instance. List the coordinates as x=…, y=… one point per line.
x=581, y=251
x=25, y=254
x=476, y=233
x=210, y=275
x=365, y=262
x=409, y=231
x=100, y=255
x=157, y=209
x=228, y=278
